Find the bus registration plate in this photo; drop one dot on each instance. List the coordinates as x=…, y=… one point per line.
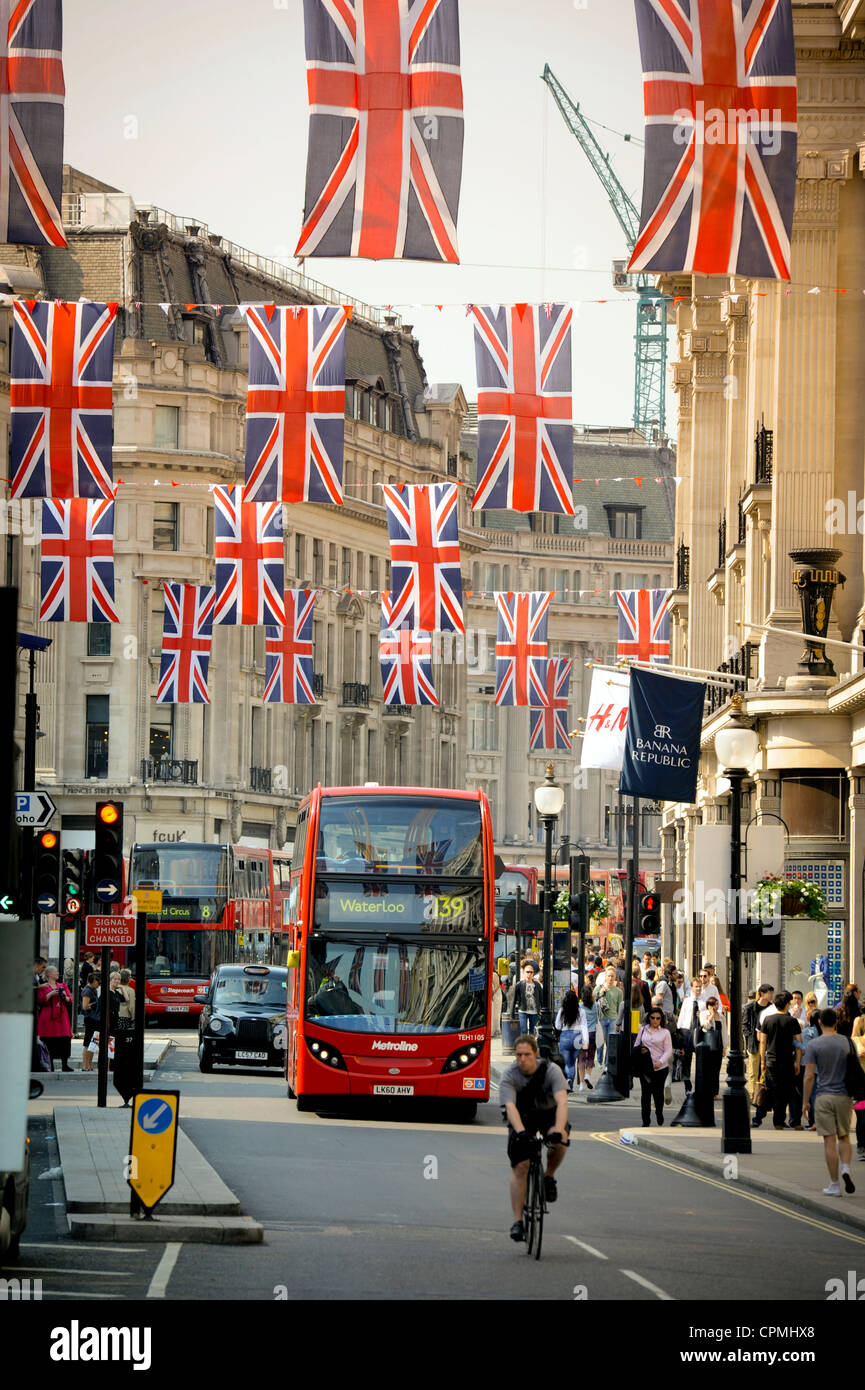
x=393, y=1090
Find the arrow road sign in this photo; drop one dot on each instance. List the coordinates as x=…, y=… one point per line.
x=33, y=808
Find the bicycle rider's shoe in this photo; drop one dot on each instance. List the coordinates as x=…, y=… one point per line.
x=551, y=1191
x=518, y=1231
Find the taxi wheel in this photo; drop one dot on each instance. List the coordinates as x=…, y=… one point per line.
x=205, y=1059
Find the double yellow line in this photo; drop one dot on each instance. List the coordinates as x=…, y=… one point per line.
x=733, y=1186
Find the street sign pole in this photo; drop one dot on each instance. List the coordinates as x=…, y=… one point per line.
x=140, y=997
x=102, y=1059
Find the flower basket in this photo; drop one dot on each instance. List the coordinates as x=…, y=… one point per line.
x=789, y=897
x=599, y=904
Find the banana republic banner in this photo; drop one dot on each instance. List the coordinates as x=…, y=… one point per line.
x=662, y=748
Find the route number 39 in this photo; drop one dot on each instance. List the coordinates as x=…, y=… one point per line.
x=450, y=907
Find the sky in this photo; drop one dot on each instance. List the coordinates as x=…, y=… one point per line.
x=199, y=106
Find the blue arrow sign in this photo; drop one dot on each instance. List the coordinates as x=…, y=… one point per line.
x=155, y=1115
x=107, y=890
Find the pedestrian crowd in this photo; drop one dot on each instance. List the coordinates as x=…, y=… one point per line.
x=804, y=1061
x=53, y=1011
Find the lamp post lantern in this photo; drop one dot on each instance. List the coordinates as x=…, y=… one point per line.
x=735, y=747
x=549, y=799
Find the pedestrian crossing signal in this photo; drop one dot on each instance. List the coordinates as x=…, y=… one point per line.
x=650, y=915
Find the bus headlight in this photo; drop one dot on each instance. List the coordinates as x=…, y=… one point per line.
x=463, y=1057
x=325, y=1053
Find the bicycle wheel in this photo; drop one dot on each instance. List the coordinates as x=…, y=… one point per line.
x=532, y=1204
x=541, y=1208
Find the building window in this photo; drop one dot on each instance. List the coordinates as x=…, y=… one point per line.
x=561, y=583
x=349, y=400
x=161, y=731
x=626, y=523
x=482, y=726
x=317, y=562
x=359, y=558
x=577, y=583
x=97, y=736
x=166, y=426
x=300, y=556
x=373, y=573
x=346, y=568
x=165, y=525
x=813, y=806
x=332, y=566
x=98, y=639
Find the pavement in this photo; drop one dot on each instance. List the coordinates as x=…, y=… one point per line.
x=93, y=1145
x=784, y=1164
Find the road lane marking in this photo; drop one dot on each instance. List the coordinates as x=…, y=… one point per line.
x=737, y=1190
x=589, y=1249
x=58, y=1269
x=164, y=1270
x=83, y=1246
x=76, y=1293
x=647, y=1284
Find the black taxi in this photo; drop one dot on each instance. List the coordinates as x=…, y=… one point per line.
x=242, y=1022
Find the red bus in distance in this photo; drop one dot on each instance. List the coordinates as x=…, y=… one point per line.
x=391, y=917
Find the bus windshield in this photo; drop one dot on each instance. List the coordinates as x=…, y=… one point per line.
x=173, y=954
x=394, y=835
x=181, y=871
x=396, y=987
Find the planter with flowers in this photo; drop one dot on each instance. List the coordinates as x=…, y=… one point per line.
x=789, y=897
x=599, y=904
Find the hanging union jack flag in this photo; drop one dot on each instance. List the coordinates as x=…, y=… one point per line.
x=644, y=624
x=385, y=129
x=521, y=649
x=187, y=634
x=31, y=103
x=550, y=722
x=60, y=394
x=250, y=573
x=77, y=562
x=288, y=675
x=423, y=527
x=295, y=405
x=525, y=437
x=719, y=88
x=406, y=661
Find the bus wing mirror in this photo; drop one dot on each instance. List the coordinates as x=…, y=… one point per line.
x=292, y=960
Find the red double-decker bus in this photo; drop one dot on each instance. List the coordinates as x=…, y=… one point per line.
x=217, y=906
x=391, y=922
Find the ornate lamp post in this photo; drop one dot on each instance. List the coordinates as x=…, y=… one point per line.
x=549, y=799
x=735, y=747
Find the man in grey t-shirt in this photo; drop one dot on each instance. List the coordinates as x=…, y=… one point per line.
x=826, y=1064
x=533, y=1099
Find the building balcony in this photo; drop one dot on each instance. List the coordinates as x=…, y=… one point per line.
x=182, y=770
x=260, y=779
x=403, y=711
x=355, y=695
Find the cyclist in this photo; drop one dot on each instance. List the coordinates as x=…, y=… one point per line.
x=534, y=1096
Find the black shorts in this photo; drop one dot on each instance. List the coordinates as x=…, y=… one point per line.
x=535, y=1120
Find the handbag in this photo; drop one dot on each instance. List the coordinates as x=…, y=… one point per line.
x=761, y=1095
x=854, y=1076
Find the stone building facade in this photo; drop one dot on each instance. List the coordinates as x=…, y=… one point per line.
x=772, y=428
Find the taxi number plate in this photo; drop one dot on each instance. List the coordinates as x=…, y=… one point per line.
x=251, y=1056
x=393, y=1090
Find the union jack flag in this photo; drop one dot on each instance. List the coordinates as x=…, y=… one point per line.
x=187, y=634
x=423, y=527
x=250, y=573
x=31, y=113
x=295, y=404
x=549, y=724
x=289, y=674
x=521, y=649
x=525, y=438
x=385, y=129
x=644, y=624
x=406, y=662
x=719, y=86
x=77, y=568
x=62, y=363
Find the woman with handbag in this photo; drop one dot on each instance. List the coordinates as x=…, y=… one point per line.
x=652, y=1055
x=90, y=1010
x=710, y=1045
x=54, y=1023
x=573, y=1037
x=858, y=1041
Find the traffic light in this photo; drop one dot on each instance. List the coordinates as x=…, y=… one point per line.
x=72, y=885
x=108, y=854
x=47, y=875
x=650, y=915
x=578, y=911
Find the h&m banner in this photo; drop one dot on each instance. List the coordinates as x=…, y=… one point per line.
x=662, y=747
x=606, y=721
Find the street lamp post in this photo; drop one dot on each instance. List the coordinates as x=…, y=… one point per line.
x=735, y=747
x=549, y=799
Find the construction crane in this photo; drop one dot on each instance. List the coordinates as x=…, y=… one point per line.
x=650, y=374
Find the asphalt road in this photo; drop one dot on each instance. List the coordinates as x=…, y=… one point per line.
x=386, y=1204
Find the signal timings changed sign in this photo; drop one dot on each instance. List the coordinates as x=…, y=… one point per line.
x=110, y=931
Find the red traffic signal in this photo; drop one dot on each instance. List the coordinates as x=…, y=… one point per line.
x=650, y=914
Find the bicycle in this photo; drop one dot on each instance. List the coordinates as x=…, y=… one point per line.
x=535, y=1204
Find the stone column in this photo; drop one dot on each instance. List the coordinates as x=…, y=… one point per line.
x=854, y=944
x=707, y=345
